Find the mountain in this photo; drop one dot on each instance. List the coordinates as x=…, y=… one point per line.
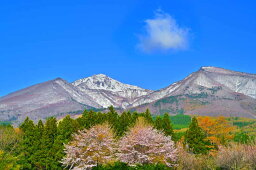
x=58, y=97
x=107, y=91
x=208, y=91
x=44, y=100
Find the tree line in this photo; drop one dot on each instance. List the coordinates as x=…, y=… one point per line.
x=54, y=144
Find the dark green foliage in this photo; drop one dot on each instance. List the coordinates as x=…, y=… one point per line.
x=66, y=128
x=167, y=127
x=46, y=150
x=158, y=123
x=243, y=138
x=164, y=124
x=112, y=116
x=180, y=121
x=29, y=144
x=242, y=124
x=5, y=123
x=124, y=122
x=170, y=100
x=195, y=139
x=198, y=95
x=148, y=116
x=123, y=166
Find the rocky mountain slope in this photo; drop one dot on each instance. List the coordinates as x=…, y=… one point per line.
x=43, y=100
x=58, y=97
x=107, y=91
x=208, y=91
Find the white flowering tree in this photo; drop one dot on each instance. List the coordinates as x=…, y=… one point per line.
x=145, y=145
x=90, y=148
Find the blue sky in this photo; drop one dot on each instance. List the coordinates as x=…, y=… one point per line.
x=146, y=43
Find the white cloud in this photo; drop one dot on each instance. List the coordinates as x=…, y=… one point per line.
x=163, y=33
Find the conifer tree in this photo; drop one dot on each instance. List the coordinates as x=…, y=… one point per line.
x=123, y=123
x=39, y=131
x=47, y=153
x=195, y=139
x=148, y=116
x=28, y=145
x=158, y=123
x=167, y=126
x=82, y=120
x=112, y=117
x=40, y=127
x=65, y=129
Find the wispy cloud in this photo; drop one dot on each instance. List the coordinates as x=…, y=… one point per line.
x=163, y=33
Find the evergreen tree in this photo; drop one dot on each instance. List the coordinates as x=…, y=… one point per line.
x=65, y=129
x=158, y=123
x=82, y=120
x=123, y=123
x=148, y=116
x=167, y=126
x=28, y=145
x=112, y=117
x=195, y=139
x=40, y=127
x=39, y=131
x=47, y=153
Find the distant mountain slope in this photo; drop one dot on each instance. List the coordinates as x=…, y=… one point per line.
x=43, y=100
x=208, y=91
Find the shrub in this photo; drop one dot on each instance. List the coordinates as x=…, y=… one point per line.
x=237, y=156
x=190, y=161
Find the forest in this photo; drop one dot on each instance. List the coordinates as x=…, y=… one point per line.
x=129, y=141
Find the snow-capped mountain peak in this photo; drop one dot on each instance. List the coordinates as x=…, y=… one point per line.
x=103, y=82
x=107, y=91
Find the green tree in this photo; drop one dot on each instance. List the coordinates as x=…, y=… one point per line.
x=148, y=116
x=40, y=127
x=124, y=121
x=47, y=153
x=158, y=123
x=167, y=126
x=195, y=139
x=112, y=117
x=29, y=144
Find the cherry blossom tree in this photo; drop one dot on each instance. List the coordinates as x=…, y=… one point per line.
x=90, y=148
x=145, y=145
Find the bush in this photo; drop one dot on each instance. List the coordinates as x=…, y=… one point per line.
x=190, y=161
x=237, y=156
